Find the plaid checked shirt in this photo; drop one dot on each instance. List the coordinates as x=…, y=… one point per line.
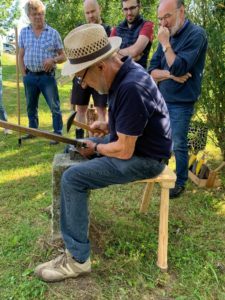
x=37, y=49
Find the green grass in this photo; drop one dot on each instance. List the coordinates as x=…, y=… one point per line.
x=124, y=243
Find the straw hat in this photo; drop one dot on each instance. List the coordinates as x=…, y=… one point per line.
x=86, y=45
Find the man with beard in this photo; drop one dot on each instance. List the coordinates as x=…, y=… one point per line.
x=177, y=66
x=80, y=97
x=136, y=33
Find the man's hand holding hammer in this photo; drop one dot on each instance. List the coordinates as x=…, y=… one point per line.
x=91, y=146
x=101, y=125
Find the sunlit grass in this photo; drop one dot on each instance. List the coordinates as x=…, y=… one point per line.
x=9, y=84
x=21, y=173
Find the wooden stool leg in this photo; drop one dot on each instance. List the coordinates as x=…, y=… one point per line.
x=146, y=197
x=163, y=229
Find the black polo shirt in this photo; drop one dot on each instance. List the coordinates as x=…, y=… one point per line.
x=137, y=108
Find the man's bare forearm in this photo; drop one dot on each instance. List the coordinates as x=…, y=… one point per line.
x=21, y=62
x=160, y=75
x=61, y=57
x=22, y=66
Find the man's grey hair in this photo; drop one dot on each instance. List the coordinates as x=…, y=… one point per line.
x=33, y=5
x=180, y=3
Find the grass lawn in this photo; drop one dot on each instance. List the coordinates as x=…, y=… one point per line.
x=124, y=243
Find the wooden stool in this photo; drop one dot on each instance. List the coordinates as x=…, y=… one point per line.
x=167, y=181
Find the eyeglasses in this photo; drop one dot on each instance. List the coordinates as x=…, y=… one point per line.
x=126, y=9
x=167, y=16
x=37, y=14
x=81, y=79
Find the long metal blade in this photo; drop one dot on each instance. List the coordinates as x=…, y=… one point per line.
x=42, y=133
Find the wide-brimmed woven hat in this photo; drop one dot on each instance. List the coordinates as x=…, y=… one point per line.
x=86, y=45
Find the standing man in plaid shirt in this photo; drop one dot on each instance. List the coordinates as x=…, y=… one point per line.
x=40, y=50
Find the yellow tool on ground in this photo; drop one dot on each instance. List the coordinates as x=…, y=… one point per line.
x=192, y=159
x=199, y=164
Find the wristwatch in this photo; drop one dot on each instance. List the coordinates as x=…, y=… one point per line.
x=96, y=150
x=165, y=48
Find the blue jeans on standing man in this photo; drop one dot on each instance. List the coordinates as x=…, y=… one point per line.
x=92, y=174
x=180, y=117
x=44, y=83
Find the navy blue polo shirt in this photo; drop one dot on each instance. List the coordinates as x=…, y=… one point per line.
x=137, y=108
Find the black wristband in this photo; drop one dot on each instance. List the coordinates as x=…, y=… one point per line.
x=95, y=149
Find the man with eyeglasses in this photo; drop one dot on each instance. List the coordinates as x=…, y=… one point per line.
x=136, y=33
x=40, y=49
x=138, y=145
x=177, y=66
x=80, y=97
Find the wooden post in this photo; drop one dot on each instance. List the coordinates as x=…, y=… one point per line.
x=18, y=84
x=146, y=197
x=163, y=228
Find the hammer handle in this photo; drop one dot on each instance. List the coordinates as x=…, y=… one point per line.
x=87, y=127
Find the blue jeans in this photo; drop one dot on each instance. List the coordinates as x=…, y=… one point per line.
x=180, y=116
x=3, y=115
x=97, y=173
x=45, y=84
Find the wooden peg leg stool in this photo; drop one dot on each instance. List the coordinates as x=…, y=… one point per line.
x=167, y=181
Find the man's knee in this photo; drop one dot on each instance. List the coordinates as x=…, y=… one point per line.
x=81, y=109
x=101, y=111
x=67, y=176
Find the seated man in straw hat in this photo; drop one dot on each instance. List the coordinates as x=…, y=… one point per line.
x=138, y=145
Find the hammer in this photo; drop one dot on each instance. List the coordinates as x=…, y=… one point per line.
x=71, y=120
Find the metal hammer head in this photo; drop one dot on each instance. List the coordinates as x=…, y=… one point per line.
x=70, y=121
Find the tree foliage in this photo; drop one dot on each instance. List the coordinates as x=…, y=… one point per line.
x=9, y=12
x=210, y=14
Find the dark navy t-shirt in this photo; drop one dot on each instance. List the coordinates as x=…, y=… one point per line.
x=137, y=108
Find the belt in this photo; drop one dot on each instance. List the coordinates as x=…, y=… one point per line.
x=40, y=73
